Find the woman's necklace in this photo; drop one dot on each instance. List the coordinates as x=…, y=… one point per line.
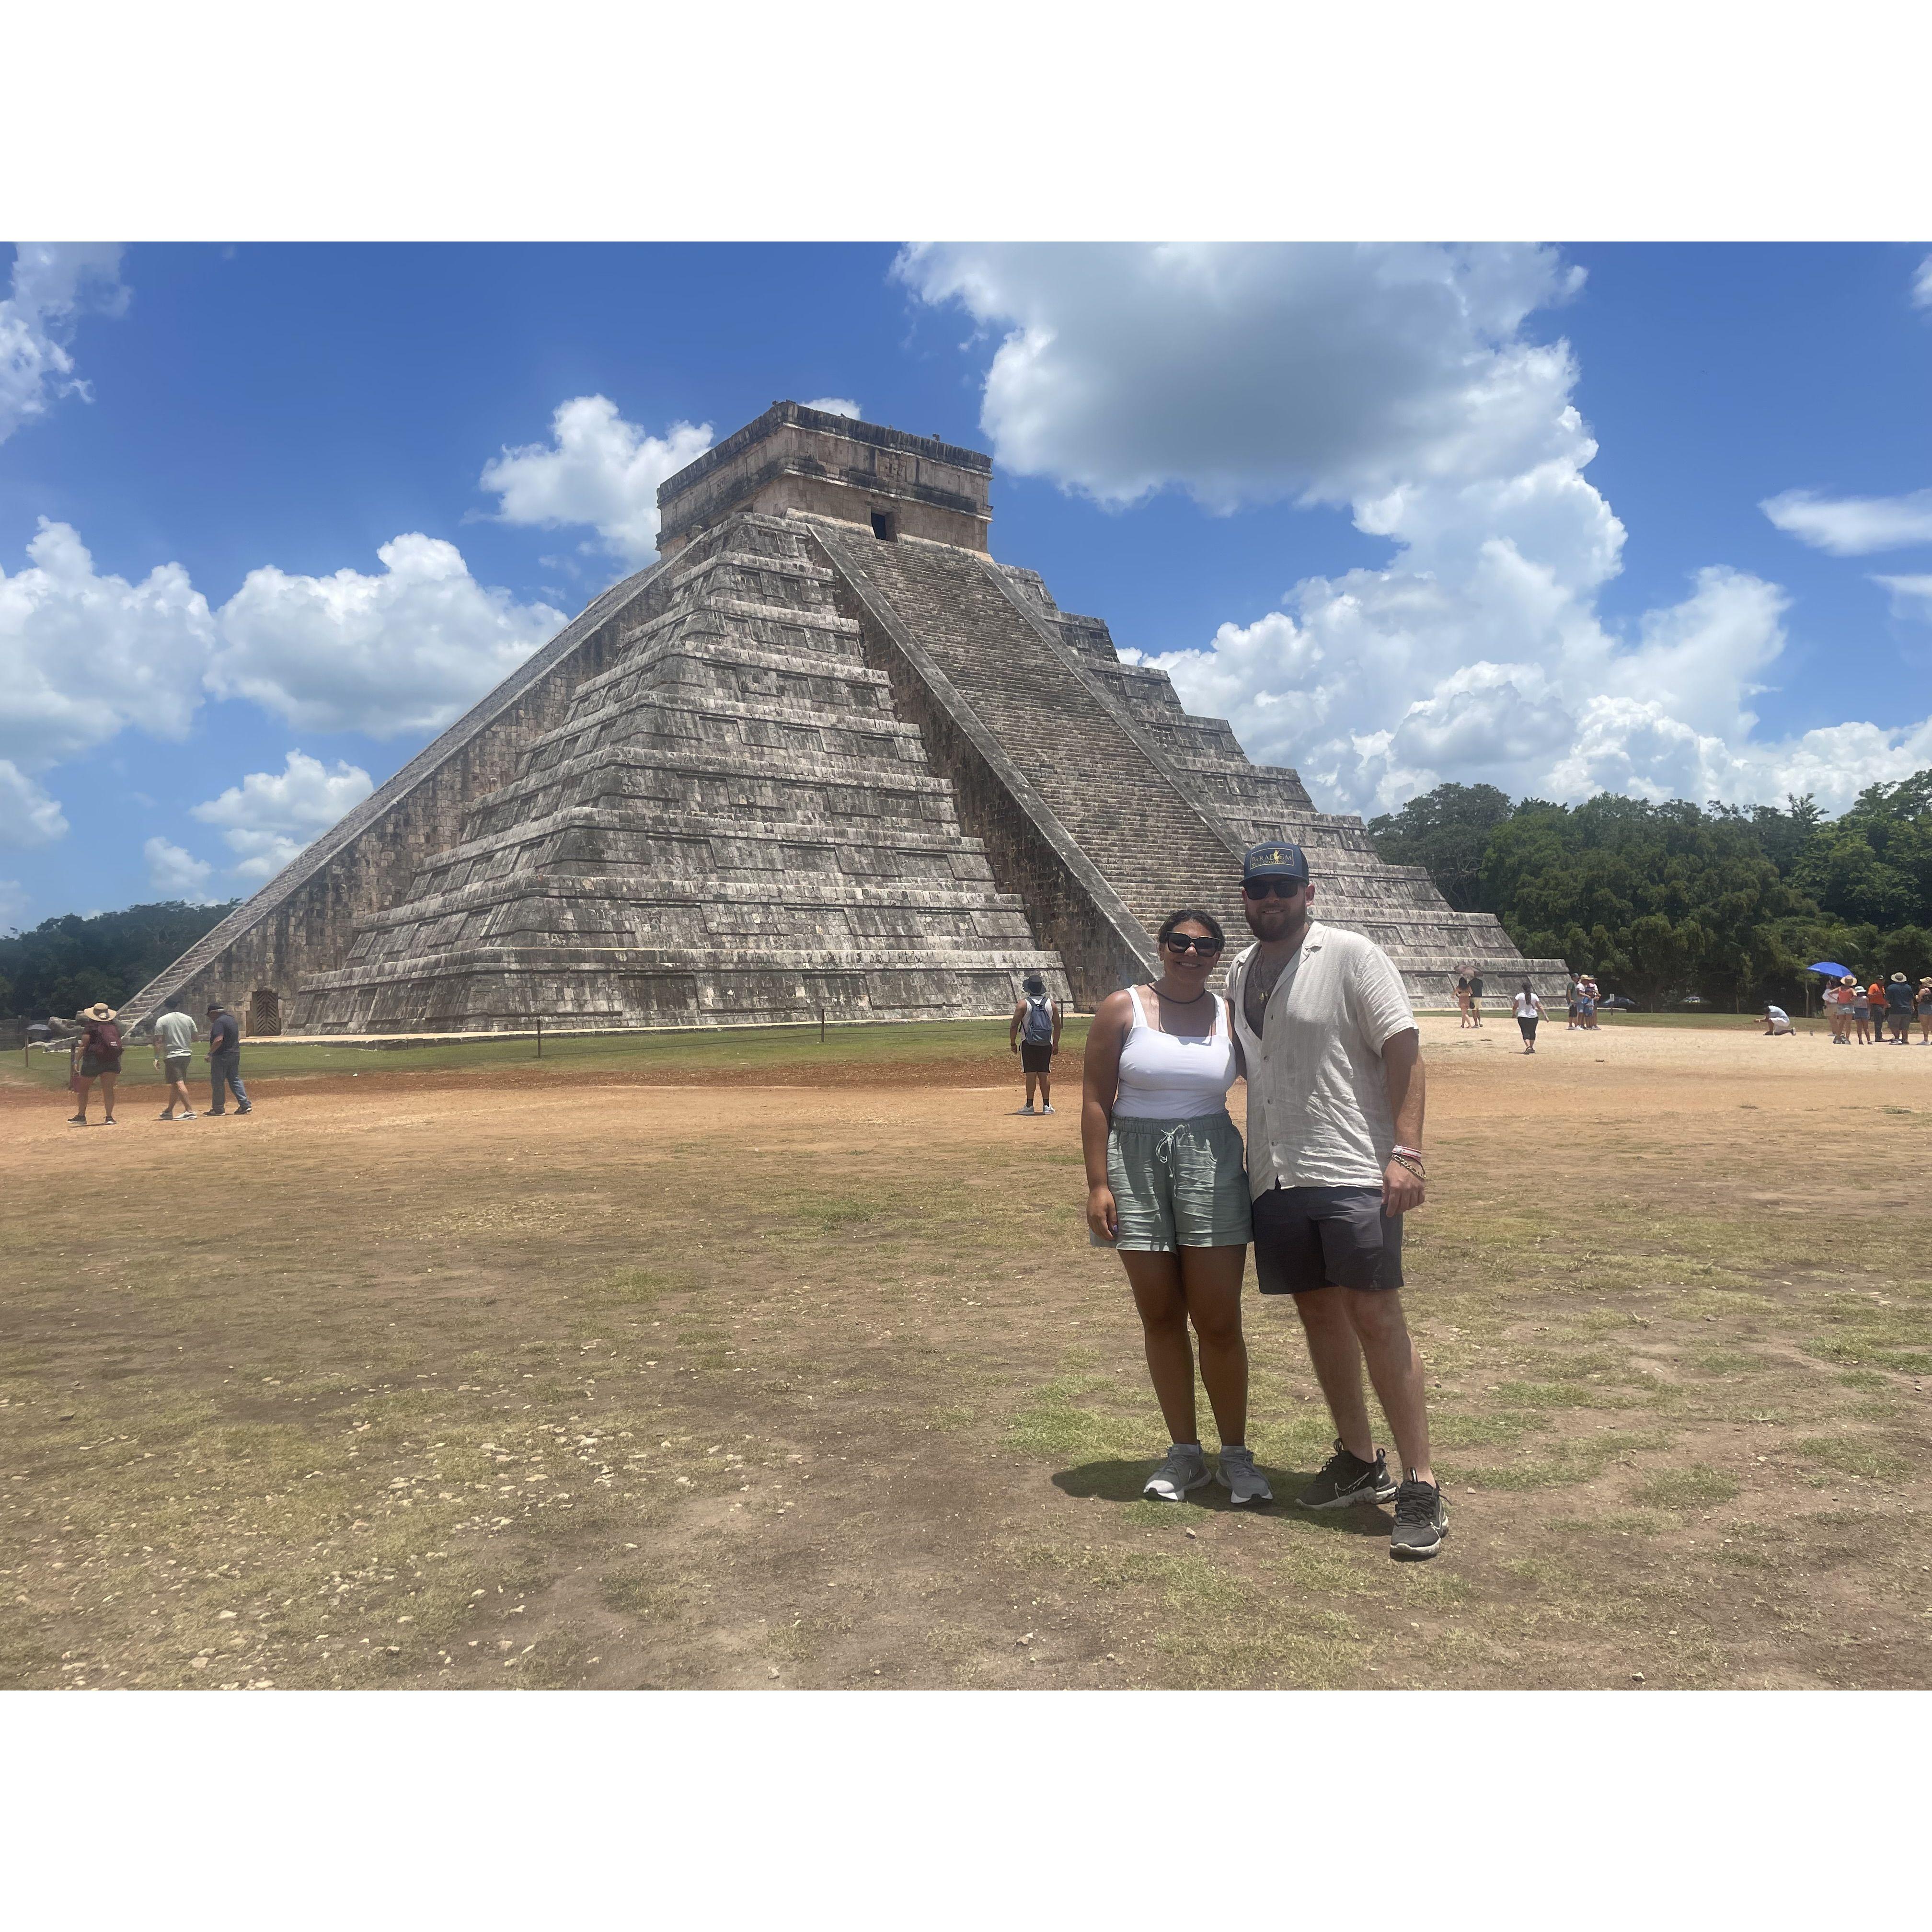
x=1173, y=1002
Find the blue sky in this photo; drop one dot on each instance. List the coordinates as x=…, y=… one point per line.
x=1348, y=497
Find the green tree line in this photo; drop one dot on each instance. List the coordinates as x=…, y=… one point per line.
x=1728, y=902
x=63, y=964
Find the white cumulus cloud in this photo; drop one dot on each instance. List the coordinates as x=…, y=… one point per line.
x=83, y=655
x=1240, y=373
x=175, y=873
x=835, y=406
x=596, y=469
x=52, y=284
x=1921, y=285
x=1852, y=525
x=1406, y=382
x=29, y=815
x=408, y=649
x=270, y=817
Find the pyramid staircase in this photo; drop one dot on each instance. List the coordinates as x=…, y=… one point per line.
x=731, y=825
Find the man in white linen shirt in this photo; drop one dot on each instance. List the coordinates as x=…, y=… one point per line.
x=1335, y=1103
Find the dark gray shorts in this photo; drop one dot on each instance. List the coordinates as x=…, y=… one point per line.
x=1036, y=1056
x=176, y=1064
x=1310, y=1237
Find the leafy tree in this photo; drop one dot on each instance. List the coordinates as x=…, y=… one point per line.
x=1446, y=832
x=1657, y=901
x=1874, y=866
x=64, y=964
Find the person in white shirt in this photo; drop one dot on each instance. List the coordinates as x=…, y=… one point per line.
x=1529, y=1011
x=1777, y=1021
x=1333, y=1061
x=1166, y=1190
x=174, y=1042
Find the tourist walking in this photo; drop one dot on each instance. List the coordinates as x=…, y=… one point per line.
x=224, y=1061
x=174, y=1040
x=1475, y=998
x=97, y=1056
x=1034, y=1036
x=1463, y=999
x=1167, y=1191
x=1335, y=1107
x=1898, y=1008
x=1529, y=1011
x=1925, y=1012
x=1861, y=1012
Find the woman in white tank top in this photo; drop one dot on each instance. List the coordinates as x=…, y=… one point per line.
x=1167, y=1189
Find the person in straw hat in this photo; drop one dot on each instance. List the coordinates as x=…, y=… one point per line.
x=97, y=1057
x=1898, y=1008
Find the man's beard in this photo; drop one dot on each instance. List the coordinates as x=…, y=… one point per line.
x=1286, y=922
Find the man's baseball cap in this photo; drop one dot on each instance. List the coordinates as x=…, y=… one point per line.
x=1274, y=862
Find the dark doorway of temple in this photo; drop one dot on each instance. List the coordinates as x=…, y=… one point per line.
x=885, y=527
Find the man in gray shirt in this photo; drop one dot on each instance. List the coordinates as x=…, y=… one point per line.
x=1335, y=1100
x=174, y=1039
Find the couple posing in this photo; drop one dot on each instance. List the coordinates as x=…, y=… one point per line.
x=1317, y=1021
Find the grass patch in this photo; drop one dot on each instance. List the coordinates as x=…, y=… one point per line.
x=1686, y=1489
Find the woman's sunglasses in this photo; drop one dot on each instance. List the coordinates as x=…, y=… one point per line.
x=1184, y=942
x=1278, y=889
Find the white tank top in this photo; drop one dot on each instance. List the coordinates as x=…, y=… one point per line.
x=1164, y=1077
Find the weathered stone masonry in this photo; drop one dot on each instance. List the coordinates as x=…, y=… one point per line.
x=826, y=756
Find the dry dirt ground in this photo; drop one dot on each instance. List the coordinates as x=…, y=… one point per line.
x=523, y=1378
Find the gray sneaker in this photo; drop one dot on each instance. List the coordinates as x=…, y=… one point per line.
x=1236, y=1474
x=1046, y=1110
x=1185, y=1468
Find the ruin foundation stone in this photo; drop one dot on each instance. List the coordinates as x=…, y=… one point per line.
x=827, y=757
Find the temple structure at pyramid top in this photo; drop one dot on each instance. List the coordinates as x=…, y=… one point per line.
x=826, y=756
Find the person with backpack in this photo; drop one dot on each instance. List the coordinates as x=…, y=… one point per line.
x=1034, y=1036
x=97, y=1057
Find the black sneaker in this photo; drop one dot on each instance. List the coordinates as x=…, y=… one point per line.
x=1421, y=1522
x=1344, y=1480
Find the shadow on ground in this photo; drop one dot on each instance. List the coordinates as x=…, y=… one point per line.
x=1116, y=1481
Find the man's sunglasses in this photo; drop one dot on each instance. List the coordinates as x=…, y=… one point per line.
x=1184, y=942
x=1279, y=888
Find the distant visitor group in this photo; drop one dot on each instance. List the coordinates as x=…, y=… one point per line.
x=95, y=1047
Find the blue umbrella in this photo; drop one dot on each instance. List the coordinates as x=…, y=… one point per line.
x=1826, y=966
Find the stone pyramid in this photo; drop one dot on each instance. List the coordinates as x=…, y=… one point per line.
x=826, y=756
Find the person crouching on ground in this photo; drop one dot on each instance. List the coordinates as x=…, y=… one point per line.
x=1034, y=1036
x=1777, y=1021
x=98, y=1058
x=174, y=1040
x=224, y=1061
x=1335, y=1104
x=1166, y=1189
x=1529, y=1011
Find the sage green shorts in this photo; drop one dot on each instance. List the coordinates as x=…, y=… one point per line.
x=1178, y=1184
